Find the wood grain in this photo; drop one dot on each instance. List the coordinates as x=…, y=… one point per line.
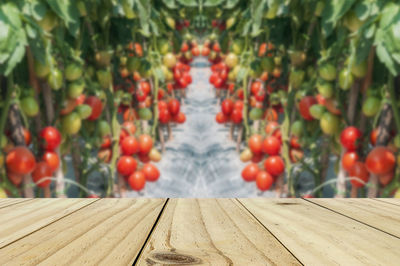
x=372, y=212
x=107, y=232
x=213, y=232
x=24, y=218
x=318, y=236
x=390, y=201
x=11, y=201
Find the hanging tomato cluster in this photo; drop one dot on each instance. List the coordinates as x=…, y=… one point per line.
x=85, y=78
x=317, y=80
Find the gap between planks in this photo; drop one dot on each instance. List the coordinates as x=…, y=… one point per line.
x=366, y=220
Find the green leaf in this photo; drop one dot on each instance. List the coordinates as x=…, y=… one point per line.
x=231, y=3
x=170, y=4
x=188, y=3
x=386, y=59
x=67, y=10
x=144, y=17
x=334, y=10
x=211, y=3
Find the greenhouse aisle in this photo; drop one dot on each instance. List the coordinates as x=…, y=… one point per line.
x=200, y=161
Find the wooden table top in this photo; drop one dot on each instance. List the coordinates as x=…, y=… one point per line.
x=199, y=231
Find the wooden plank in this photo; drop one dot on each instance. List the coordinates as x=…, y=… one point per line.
x=318, y=236
x=391, y=201
x=381, y=215
x=22, y=219
x=107, y=232
x=213, y=232
x=11, y=201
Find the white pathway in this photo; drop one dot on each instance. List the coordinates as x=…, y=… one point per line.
x=200, y=161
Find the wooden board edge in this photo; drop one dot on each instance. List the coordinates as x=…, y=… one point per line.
x=239, y=200
x=153, y=228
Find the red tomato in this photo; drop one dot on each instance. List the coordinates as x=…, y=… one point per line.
x=52, y=160
x=145, y=87
x=238, y=105
x=271, y=145
x=180, y=118
x=264, y=180
x=27, y=136
x=256, y=87
x=140, y=95
x=349, y=159
x=258, y=157
x=237, y=116
x=106, y=142
x=294, y=142
x=151, y=172
x=195, y=51
x=20, y=160
x=129, y=146
x=185, y=47
x=221, y=118
x=97, y=107
x=250, y=172
x=240, y=94
x=359, y=171
x=262, y=50
x=41, y=172
x=126, y=165
x=304, y=107
x=164, y=116
x=16, y=179
x=51, y=137
x=374, y=136
x=145, y=144
x=161, y=94
x=216, y=47
x=386, y=178
x=256, y=144
x=162, y=105
x=144, y=158
x=227, y=107
x=174, y=106
x=137, y=181
x=350, y=138
x=274, y=165
x=130, y=114
x=205, y=51
x=380, y=161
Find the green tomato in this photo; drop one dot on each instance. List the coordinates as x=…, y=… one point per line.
x=346, y=79
x=104, y=78
x=29, y=106
x=41, y=70
x=237, y=46
x=317, y=111
x=3, y=194
x=319, y=8
x=84, y=111
x=351, y=21
x=133, y=64
x=103, y=58
x=145, y=114
x=256, y=114
x=170, y=22
x=75, y=89
x=49, y=21
x=73, y=72
x=55, y=79
x=325, y=89
x=329, y=123
x=230, y=22
x=360, y=70
x=71, y=123
x=397, y=141
x=297, y=128
x=163, y=46
x=297, y=58
x=327, y=72
x=371, y=106
x=267, y=64
x=296, y=78
x=104, y=128
x=3, y=141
